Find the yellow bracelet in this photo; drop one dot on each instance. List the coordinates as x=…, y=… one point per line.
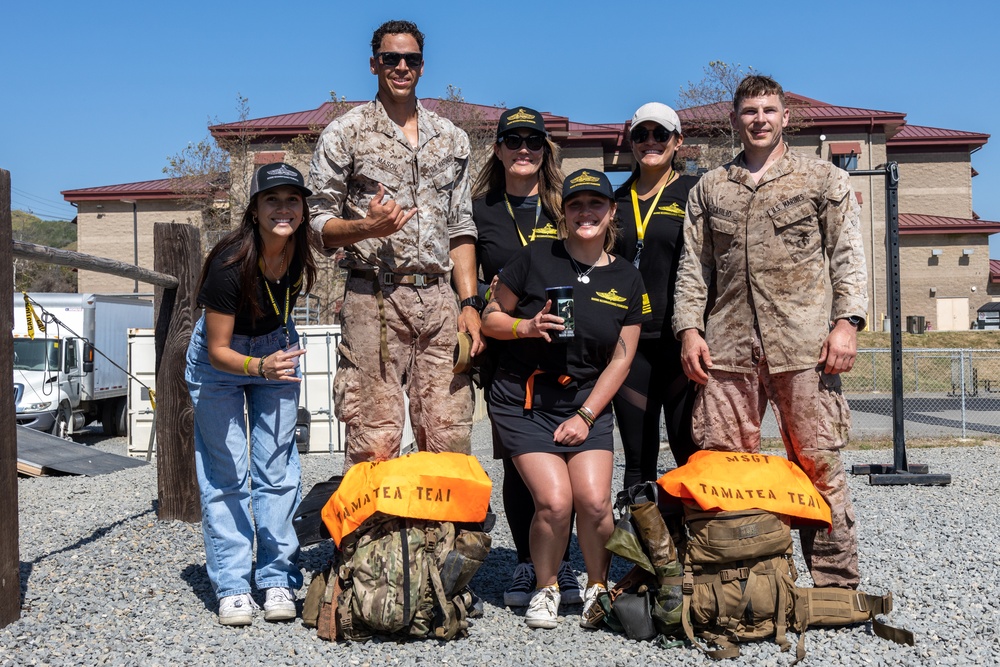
x=513, y=329
x=246, y=366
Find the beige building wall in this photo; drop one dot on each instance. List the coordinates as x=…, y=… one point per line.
x=105, y=229
x=582, y=158
x=927, y=277
x=935, y=184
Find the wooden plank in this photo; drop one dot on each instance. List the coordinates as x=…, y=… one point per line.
x=10, y=572
x=79, y=260
x=29, y=469
x=177, y=251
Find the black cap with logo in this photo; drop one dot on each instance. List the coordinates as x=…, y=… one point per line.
x=276, y=174
x=587, y=180
x=518, y=118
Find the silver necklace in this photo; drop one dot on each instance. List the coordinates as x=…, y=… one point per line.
x=581, y=275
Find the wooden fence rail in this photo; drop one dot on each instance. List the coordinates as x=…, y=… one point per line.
x=79, y=260
x=177, y=258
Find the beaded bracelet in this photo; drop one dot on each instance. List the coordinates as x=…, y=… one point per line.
x=260, y=367
x=246, y=366
x=513, y=328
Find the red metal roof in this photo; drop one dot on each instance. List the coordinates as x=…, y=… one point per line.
x=919, y=135
x=164, y=188
x=913, y=223
x=995, y=270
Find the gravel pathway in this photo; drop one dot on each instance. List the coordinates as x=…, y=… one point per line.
x=105, y=583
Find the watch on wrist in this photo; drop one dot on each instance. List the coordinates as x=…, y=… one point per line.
x=477, y=302
x=855, y=321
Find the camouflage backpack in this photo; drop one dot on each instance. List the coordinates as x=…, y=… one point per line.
x=398, y=577
x=730, y=579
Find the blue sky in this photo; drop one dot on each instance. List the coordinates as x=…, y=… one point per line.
x=101, y=93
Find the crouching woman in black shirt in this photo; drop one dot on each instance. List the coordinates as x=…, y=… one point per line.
x=550, y=400
x=242, y=357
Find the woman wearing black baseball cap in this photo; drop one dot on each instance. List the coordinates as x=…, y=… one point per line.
x=570, y=312
x=516, y=200
x=243, y=357
x=651, y=218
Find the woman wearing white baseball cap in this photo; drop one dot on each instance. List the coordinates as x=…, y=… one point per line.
x=651, y=206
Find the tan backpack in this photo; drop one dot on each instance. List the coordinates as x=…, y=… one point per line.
x=732, y=580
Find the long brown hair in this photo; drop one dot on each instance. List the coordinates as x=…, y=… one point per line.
x=245, y=243
x=492, y=179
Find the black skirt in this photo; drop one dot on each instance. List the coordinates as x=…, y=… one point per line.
x=523, y=431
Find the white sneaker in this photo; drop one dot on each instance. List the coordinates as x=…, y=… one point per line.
x=589, y=600
x=542, y=611
x=237, y=609
x=279, y=604
x=569, y=585
x=522, y=585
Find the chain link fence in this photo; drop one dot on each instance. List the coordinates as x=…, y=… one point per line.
x=946, y=393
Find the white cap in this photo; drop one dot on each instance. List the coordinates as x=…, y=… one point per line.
x=660, y=114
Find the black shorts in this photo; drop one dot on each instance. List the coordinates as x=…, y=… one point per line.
x=524, y=431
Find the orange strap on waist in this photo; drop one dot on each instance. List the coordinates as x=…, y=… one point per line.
x=529, y=386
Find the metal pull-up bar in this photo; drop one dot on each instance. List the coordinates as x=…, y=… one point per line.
x=900, y=472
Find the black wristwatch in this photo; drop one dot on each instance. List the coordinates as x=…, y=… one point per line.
x=855, y=321
x=477, y=302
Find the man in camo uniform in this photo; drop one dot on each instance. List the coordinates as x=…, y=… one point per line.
x=760, y=228
x=392, y=188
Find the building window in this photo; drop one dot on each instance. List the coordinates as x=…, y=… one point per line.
x=845, y=154
x=848, y=162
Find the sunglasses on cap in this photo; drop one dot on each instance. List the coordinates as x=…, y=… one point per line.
x=391, y=59
x=640, y=134
x=513, y=141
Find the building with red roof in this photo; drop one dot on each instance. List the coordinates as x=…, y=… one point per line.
x=944, y=252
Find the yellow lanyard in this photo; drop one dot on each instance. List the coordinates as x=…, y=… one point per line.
x=642, y=223
x=538, y=214
x=274, y=304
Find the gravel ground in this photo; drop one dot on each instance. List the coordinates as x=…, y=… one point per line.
x=104, y=582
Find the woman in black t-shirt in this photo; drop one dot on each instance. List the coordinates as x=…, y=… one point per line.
x=550, y=400
x=243, y=359
x=651, y=207
x=516, y=200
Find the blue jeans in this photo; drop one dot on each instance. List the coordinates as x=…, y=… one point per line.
x=234, y=478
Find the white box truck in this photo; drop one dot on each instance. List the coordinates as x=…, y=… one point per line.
x=64, y=377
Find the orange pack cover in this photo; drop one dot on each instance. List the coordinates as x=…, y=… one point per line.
x=422, y=485
x=726, y=481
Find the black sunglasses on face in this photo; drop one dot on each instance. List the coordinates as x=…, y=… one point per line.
x=391, y=59
x=513, y=142
x=640, y=134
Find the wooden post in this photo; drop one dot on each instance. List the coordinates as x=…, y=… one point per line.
x=10, y=571
x=176, y=251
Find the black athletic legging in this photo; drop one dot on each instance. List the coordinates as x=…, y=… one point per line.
x=655, y=383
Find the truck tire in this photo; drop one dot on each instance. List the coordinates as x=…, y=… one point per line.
x=64, y=417
x=121, y=415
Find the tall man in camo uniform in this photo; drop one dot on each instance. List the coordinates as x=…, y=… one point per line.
x=760, y=228
x=392, y=188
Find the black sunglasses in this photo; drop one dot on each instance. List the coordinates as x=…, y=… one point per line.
x=513, y=142
x=391, y=59
x=640, y=134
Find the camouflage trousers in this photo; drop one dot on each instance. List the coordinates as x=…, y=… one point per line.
x=814, y=421
x=368, y=394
